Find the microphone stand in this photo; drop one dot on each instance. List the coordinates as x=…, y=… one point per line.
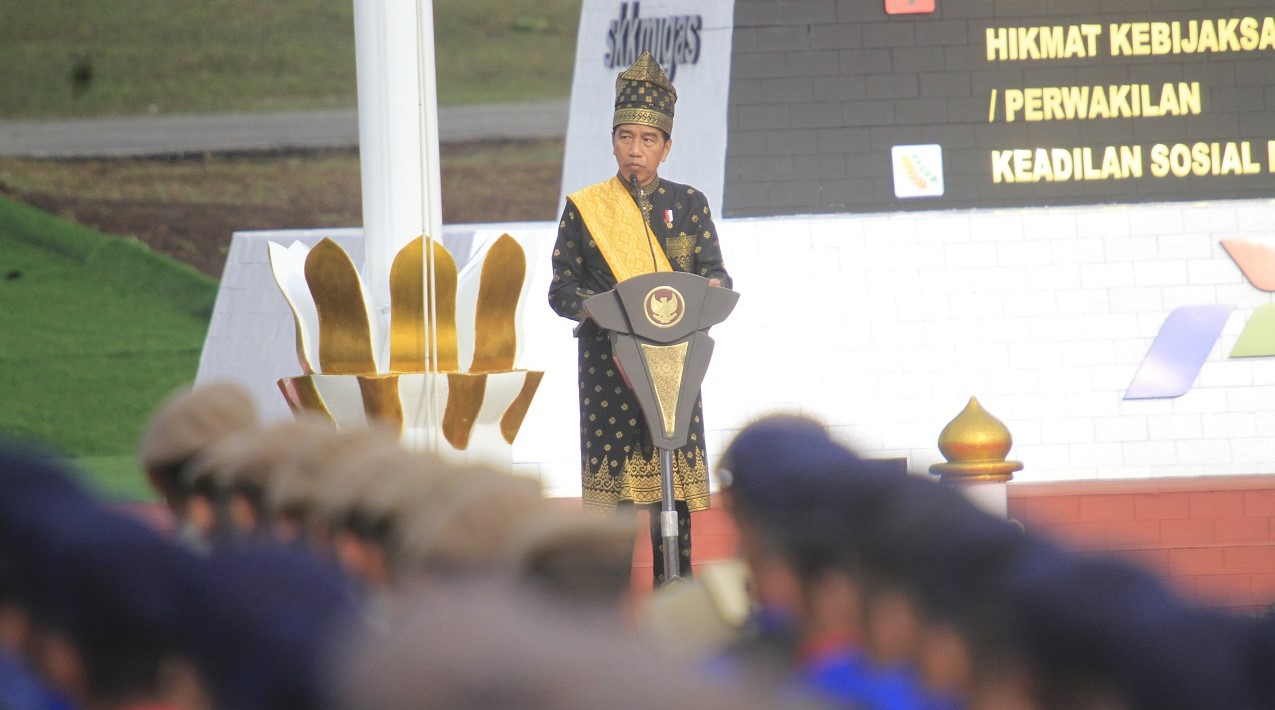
x=646, y=228
x=668, y=505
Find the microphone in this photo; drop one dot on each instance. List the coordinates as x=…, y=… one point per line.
x=646, y=228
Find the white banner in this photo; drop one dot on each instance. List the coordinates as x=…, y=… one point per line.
x=691, y=41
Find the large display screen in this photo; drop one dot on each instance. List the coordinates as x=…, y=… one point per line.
x=939, y=104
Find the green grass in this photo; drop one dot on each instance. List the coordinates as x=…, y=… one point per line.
x=248, y=55
x=505, y=50
x=95, y=331
x=115, y=478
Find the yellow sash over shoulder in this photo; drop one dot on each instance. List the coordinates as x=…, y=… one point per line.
x=619, y=229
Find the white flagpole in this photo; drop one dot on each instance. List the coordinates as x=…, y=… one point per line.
x=398, y=146
x=389, y=135
x=431, y=204
x=431, y=182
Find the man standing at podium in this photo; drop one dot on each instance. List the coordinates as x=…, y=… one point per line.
x=634, y=223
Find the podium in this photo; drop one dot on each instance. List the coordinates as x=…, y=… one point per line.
x=658, y=324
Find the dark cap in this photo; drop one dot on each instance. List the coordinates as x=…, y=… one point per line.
x=1088, y=621
x=266, y=626
x=786, y=467
x=27, y=475
x=929, y=537
x=117, y=591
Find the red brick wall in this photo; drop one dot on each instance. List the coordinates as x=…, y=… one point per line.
x=1212, y=537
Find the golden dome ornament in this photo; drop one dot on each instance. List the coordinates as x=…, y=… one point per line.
x=975, y=444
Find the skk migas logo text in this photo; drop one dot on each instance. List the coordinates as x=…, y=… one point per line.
x=673, y=40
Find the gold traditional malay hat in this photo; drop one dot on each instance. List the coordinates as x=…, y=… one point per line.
x=643, y=94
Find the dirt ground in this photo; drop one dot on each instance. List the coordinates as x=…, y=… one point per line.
x=481, y=183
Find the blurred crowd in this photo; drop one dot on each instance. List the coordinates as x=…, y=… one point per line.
x=311, y=567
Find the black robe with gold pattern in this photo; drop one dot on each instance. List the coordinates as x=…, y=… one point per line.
x=618, y=461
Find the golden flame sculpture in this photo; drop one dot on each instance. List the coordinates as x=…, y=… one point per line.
x=440, y=371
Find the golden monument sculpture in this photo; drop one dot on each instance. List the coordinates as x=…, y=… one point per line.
x=440, y=370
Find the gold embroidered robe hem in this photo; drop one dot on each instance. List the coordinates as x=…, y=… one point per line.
x=639, y=481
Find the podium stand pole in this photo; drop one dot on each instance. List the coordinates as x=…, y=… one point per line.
x=668, y=519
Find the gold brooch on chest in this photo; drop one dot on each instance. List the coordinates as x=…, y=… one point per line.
x=668, y=219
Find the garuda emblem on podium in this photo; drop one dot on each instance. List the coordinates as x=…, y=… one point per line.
x=664, y=307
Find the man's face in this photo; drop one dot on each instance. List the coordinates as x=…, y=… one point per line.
x=639, y=150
